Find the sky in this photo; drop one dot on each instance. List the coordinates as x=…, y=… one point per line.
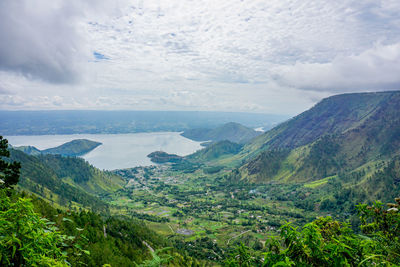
x=268, y=56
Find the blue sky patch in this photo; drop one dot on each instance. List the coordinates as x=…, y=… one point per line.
x=100, y=56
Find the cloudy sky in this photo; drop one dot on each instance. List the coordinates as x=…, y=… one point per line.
x=270, y=56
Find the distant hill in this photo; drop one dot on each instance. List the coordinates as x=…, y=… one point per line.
x=231, y=131
x=107, y=122
x=78, y=147
x=341, y=135
x=30, y=150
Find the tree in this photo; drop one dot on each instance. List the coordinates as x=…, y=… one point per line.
x=9, y=171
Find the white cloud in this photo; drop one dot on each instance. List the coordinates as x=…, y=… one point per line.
x=41, y=39
x=205, y=54
x=375, y=69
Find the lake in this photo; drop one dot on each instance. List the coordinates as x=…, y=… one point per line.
x=118, y=151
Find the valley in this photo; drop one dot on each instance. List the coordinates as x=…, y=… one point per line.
x=206, y=205
x=201, y=209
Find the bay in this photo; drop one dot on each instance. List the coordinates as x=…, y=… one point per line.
x=118, y=151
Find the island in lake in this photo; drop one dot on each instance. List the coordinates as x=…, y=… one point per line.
x=163, y=157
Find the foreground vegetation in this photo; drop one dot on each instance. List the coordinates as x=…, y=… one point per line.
x=29, y=238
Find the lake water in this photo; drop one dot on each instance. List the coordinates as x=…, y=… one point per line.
x=118, y=151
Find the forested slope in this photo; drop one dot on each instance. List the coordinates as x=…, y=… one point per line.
x=66, y=181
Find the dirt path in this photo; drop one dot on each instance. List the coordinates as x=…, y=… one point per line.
x=147, y=245
x=242, y=233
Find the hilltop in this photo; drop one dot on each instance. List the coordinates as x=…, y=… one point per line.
x=231, y=131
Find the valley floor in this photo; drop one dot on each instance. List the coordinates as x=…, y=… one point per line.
x=206, y=213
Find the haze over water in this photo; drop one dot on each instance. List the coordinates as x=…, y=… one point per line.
x=118, y=151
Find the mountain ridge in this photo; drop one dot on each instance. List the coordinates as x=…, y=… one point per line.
x=339, y=134
x=230, y=131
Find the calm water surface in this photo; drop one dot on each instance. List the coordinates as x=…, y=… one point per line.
x=118, y=151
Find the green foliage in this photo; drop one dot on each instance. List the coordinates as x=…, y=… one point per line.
x=159, y=258
x=28, y=239
x=383, y=227
x=241, y=257
x=114, y=240
x=9, y=172
x=324, y=242
x=327, y=242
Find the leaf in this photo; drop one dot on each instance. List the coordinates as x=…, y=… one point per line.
x=14, y=250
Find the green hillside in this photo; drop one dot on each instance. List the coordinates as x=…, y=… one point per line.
x=215, y=151
x=231, y=131
x=338, y=137
x=65, y=181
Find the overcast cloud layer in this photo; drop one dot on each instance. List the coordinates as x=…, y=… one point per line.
x=274, y=56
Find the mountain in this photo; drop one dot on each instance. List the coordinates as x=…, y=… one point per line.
x=65, y=180
x=231, y=131
x=77, y=147
x=340, y=135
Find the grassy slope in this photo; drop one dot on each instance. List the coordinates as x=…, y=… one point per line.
x=231, y=131
x=339, y=134
x=63, y=181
